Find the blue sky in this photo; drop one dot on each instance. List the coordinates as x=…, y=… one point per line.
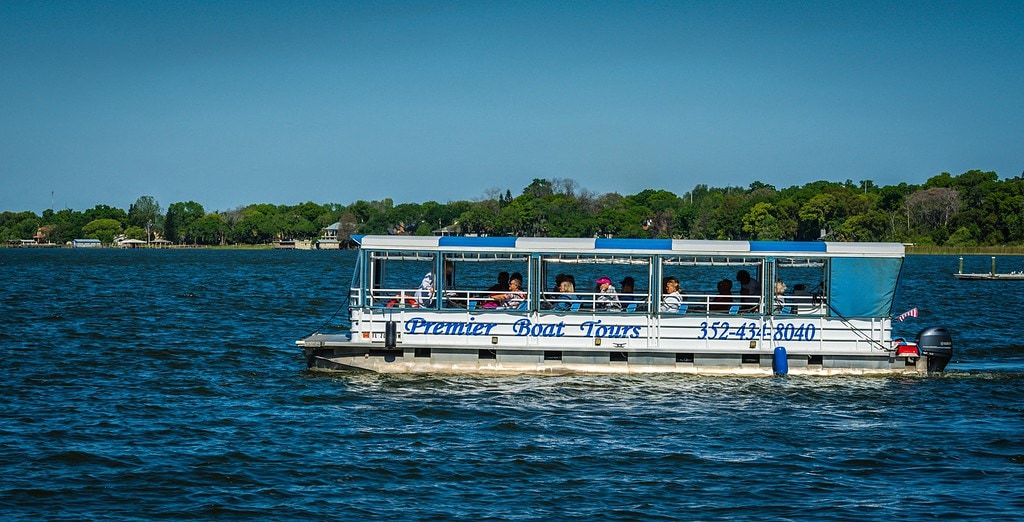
x=229, y=103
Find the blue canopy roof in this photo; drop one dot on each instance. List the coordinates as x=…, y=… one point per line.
x=632, y=246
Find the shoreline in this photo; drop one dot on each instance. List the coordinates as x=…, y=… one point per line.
x=997, y=250
x=1005, y=250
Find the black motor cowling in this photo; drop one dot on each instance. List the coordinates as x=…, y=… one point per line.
x=935, y=343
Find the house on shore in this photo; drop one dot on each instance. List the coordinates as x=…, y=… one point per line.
x=131, y=243
x=293, y=244
x=329, y=238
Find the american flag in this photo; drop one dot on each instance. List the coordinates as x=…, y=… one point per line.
x=909, y=313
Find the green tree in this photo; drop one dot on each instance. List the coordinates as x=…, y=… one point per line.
x=67, y=224
x=820, y=211
x=211, y=229
x=18, y=225
x=106, y=212
x=477, y=220
x=134, y=232
x=1010, y=206
x=726, y=221
x=761, y=224
x=539, y=188
x=256, y=225
x=103, y=229
x=962, y=237
x=146, y=214
x=179, y=219
x=871, y=226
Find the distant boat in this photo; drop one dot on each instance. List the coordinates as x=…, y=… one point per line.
x=86, y=243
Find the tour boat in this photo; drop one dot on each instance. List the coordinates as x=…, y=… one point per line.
x=442, y=305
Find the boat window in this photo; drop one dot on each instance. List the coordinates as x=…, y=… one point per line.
x=481, y=281
x=799, y=286
x=712, y=284
x=409, y=279
x=401, y=279
x=602, y=283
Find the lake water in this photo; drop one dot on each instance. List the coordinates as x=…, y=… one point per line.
x=166, y=384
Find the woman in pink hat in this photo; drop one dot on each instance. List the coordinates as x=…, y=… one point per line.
x=607, y=297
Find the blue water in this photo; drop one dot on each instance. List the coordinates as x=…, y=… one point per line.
x=166, y=385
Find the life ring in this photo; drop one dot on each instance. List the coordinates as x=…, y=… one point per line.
x=411, y=303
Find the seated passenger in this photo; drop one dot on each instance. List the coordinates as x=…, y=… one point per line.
x=502, y=284
x=453, y=298
x=515, y=296
x=566, y=297
x=803, y=297
x=496, y=288
x=563, y=277
x=425, y=292
x=723, y=301
x=748, y=285
x=626, y=289
x=449, y=275
x=780, y=296
x=670, y=297
x=607, y=297
x=557, y=286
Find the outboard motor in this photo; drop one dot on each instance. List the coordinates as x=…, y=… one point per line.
x=936, y=344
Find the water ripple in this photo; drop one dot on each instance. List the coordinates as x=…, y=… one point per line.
x=165, y=384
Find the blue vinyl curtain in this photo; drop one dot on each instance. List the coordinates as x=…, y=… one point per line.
x=863, y=287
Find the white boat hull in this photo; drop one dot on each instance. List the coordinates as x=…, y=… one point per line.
x=549, y=343
x=512, y=362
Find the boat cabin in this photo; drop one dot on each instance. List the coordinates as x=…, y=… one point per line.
x=821, y=279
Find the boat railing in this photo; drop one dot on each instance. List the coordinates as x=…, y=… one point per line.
x=394, y=298
x=799, y=304
x=590, y=302
x=451, y=299
x=720, y=304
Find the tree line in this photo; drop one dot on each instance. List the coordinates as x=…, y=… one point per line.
x=975, y=208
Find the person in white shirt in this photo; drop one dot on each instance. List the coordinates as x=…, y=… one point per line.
x=671, y=299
